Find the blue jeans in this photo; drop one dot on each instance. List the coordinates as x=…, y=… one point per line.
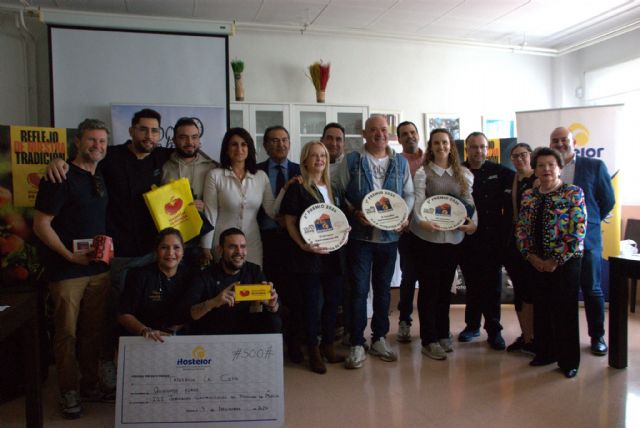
x=367, y=259
x=592, y=291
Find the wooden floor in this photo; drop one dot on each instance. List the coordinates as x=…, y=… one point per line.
x=474, y=387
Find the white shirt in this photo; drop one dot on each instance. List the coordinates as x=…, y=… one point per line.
x=229, y=202
x=568, y=173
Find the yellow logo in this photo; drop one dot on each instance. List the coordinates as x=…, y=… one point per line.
x=198, y=352
x=580, y=133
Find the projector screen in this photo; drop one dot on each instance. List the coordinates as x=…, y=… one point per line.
x=91, y=69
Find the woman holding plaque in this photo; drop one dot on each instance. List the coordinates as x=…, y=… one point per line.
x=550, y=232
x=149, y=304
x=234, y=193
x=520, y=271
x=315, y=269
x=441, y=174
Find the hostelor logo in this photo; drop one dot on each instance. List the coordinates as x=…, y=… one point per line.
x=198, y=359
x=581, y=135
x=444, y=209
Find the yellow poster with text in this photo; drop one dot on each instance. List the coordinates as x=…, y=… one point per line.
x=32, y=148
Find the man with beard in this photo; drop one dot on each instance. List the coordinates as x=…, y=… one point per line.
x=187, y=160
x=593, y=177
x=211, y=298
x=78, y=285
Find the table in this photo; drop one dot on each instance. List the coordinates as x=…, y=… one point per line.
x=23, y=316
x=621, y=269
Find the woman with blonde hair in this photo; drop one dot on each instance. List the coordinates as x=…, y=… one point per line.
x=315, y=270
x=441, y=174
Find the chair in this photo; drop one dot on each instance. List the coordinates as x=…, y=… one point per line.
x=632, y=231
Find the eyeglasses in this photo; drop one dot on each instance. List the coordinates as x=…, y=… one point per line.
x=145, y=130
x=98, y=185
x=522, y=155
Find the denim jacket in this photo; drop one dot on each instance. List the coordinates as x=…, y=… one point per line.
x=354, y=180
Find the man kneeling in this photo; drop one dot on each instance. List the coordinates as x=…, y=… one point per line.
x=214, y=309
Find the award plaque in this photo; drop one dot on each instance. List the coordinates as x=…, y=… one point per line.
x=385, y=209
x=325, y=225
x=446, y=211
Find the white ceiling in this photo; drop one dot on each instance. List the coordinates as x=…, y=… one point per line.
x=551, y=26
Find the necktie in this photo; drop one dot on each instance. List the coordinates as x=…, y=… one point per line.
x=279, y=179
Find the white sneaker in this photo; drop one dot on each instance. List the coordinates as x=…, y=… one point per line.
x=446, y=344
x=381, y=349
x=404, y=332
x=356, y=358
x=434, y=351
x=70, y=405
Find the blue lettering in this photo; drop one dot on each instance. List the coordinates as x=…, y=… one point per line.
x=590, y=152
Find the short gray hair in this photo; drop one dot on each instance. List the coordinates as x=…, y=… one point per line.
x=90, y=125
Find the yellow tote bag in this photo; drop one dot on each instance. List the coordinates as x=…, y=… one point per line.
x=172, y=205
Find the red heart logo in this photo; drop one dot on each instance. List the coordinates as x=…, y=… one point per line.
x=244, y=293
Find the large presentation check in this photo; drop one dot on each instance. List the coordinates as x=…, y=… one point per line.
x=201, y=381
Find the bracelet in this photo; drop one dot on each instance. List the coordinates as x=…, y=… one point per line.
x=145, y=331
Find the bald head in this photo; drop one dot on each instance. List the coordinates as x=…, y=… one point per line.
x=563, y=141
x=376, y=134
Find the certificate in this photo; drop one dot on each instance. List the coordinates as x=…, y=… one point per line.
x=446, y=211
x=199, y=381
x=325, y=225
x=385, y=209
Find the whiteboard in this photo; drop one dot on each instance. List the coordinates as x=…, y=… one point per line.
x=94, y=68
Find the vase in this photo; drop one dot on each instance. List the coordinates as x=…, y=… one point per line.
x=320, y=95
x=239, y=87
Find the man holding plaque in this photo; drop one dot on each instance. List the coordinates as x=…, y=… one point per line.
x=78, y=284
x=483, y=251
x=373, y=250
x=233, y=296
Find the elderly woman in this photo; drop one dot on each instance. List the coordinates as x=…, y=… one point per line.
x=316, y=271
x=234, y=193
x=149, y=304
x=442, y=174
x=519, y=269
x=549, y=232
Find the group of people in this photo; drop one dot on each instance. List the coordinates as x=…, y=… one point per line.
x=534, y=222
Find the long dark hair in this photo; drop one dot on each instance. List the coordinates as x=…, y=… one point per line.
x=250, y=163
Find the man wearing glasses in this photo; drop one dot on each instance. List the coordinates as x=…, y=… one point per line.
x=483, y=252
x=276, y=244
x=79, y=286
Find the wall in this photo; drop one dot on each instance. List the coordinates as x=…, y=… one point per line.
x=410, y=77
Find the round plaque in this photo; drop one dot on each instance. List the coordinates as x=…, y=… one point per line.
x=385, y=209
x=446, y=211
x=325, y=225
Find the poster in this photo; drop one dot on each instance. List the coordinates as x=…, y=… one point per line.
x=32, y=148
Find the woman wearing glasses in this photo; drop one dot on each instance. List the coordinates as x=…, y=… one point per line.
x=550, y=232
x=442, y=174
x=234, y=193
x=518, y=268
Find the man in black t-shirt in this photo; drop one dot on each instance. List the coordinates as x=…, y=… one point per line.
x=79, y=286
x=212, y=298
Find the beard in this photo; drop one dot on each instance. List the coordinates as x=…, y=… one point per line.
x=186, y=155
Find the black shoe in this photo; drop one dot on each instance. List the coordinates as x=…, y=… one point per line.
x=517, y=345
x=542, y=361
x=467, y=335
x=599, y=346
x=496, y=342
x=528, y=348
x=569, y=373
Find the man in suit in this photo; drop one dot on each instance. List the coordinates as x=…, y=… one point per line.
x=276, y=243
x=592, y=176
